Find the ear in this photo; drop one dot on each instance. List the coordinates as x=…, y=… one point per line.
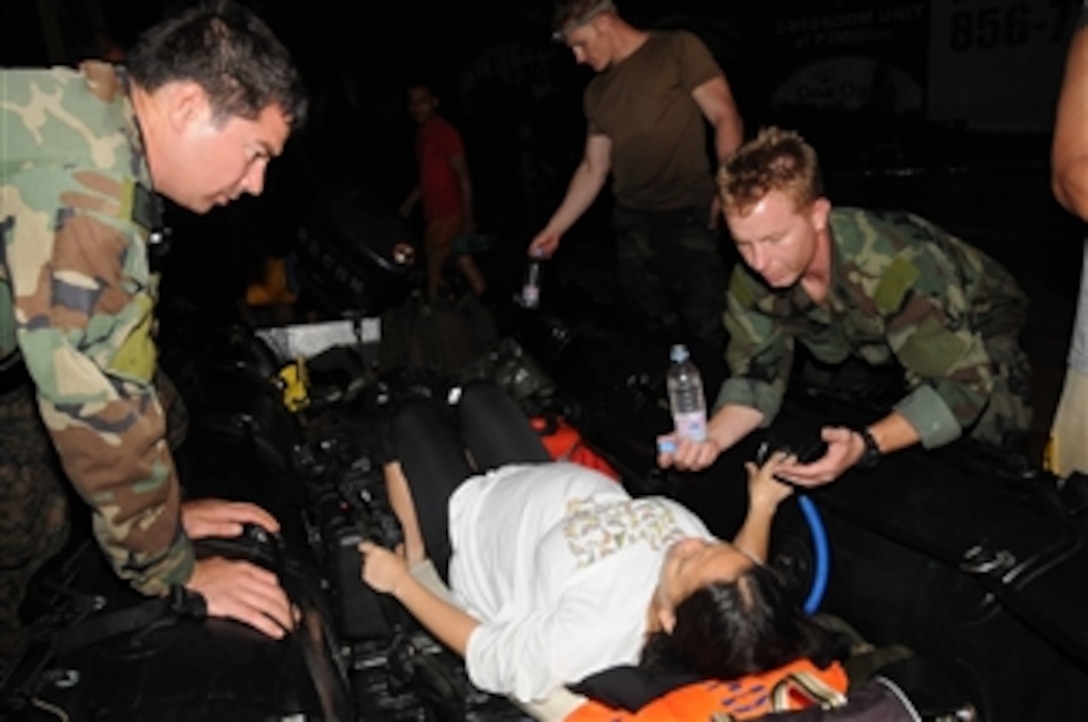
x=821, y=207
x=186, y=103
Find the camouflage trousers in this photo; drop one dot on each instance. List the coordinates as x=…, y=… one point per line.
x=670, y=268
x=33, y=503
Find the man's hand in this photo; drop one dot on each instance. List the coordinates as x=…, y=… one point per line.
x=244, y=592
x=216, y=517
x=844, y=448
x=545, y=244
x=383, y=570
x=685, y=454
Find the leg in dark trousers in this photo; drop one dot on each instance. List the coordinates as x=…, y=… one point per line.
x=434, y=463
x=495, y=431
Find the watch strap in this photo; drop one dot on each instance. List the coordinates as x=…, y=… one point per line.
x=871, y=455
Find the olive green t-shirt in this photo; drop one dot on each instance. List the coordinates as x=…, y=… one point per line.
x=644, y=105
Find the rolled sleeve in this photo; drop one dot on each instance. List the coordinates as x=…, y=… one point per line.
x=930, y=416
x=764, y=397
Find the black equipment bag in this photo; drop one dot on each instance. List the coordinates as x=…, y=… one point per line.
x=960, y=552
x=96, y=650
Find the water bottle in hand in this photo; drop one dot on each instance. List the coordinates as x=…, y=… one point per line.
x=686, y=398
x=530, y=290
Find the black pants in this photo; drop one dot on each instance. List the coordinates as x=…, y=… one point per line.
x=431, y=448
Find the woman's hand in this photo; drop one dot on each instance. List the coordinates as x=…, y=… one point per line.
x=764, y=490
x=383, y=570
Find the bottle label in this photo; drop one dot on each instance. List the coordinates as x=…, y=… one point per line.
x=530, y=296
x=691, y=425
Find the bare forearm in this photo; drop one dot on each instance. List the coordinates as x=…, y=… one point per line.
x=1069, y=149
x=893, y=433
x=583, y=189
x=754, y=536
x=732, y=423
x=728, y=135
x=451, y=625
x=403, y=506
x=1070, y=186
x=715, y=99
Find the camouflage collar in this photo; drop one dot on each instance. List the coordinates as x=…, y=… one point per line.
x=132, y=130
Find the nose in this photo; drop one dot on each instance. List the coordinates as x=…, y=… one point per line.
x=579, y=55
x=253, y=180
x=757, y=259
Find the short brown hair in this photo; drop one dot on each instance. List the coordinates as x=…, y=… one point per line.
x=230, y=52
x=570, y=14
x=776, y=159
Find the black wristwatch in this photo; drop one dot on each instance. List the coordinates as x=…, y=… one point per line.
x=871, y=455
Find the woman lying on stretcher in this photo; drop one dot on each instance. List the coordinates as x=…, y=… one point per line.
x=558, y=573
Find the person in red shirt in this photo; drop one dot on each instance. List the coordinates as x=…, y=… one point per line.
x=444, y=187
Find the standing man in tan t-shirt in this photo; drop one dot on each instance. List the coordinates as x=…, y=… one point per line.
x=645, y=112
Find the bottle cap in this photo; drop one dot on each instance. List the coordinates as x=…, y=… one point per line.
x=679, y=353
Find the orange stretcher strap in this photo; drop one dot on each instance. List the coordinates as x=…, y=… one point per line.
x=796, y=686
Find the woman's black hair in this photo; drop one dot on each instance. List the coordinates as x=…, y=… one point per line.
x=726, y=630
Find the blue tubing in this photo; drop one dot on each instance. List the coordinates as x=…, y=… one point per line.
x=822, y=561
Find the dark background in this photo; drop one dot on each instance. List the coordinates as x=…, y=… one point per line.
x=978, y=164
x=516, y=95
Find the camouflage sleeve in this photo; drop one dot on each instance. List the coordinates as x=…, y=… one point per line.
x=759, y=354
x=83, y=312
x=930, y=329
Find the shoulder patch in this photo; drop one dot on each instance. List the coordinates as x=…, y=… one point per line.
x=897, y=279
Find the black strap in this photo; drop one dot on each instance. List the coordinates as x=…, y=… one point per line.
x=13, y=376
x=145, y=616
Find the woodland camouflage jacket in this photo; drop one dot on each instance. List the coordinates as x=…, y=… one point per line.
x=76, y=303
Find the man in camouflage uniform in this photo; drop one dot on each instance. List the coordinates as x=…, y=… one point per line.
x=884, y=288
x=206, y=100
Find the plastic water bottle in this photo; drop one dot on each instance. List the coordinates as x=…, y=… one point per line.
x=530, y=290
x=686, y=398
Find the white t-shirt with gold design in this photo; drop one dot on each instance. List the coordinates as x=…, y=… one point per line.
x=559, y=563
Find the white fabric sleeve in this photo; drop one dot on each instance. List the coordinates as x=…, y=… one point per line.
x=594, y=626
